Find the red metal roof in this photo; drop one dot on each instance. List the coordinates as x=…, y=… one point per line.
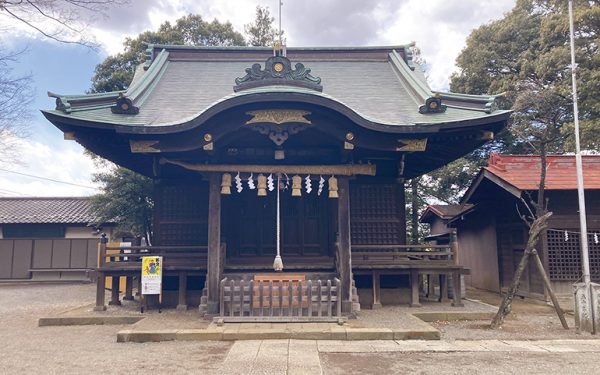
x=523, y=171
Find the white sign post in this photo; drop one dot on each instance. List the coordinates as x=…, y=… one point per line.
x=152, y=267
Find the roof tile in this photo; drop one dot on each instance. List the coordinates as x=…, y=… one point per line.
x=46, y=210
x=523, y=171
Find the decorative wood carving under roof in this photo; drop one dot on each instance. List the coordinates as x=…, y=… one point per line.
x=278, y=71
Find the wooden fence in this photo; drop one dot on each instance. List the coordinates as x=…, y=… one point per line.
x=280, y=300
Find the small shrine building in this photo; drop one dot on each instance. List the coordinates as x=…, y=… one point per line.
x=216, y=128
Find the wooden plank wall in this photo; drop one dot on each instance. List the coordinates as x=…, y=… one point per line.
x=18, y=256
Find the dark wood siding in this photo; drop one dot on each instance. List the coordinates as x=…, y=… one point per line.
x=181, y=213
x=377, y=213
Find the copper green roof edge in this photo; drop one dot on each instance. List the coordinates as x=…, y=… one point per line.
x=99, y=95
x=457, y=95
x=149, y=77
x=487, y=109
x=431, y=120
x=65, y=103
x=251, y=48
x=404, y=70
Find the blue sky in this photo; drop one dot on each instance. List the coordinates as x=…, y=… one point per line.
x=440, y=29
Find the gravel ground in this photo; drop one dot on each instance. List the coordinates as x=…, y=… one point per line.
x=29, y=349
x=529, y=320
x=459, y=363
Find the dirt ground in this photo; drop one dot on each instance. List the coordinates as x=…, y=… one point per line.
x=458, y=363
x=29, y=349
x=528, y=320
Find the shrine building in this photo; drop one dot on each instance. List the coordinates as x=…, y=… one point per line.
x=279, y=173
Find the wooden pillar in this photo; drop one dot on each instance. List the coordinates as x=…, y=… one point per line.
x=414, y=288
x=101, y=281
x=182, y=303
x=114, y=291
x=214, y=243
x=344, y=249
x=376, y=290
x=401, y=210
x=457, y=301
x=100, y=292
x=443, y=288
x=128, y=288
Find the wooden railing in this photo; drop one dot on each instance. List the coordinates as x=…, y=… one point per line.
x=174, y=257
x=283, y=300
x=402, y=255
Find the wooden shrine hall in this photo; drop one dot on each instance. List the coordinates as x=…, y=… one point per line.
x=279, y=173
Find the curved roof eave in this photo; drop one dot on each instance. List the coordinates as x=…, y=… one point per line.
x=265, y=95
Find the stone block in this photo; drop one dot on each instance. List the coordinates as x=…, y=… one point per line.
x=369, y=334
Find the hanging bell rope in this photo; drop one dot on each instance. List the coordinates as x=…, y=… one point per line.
x=278, y=262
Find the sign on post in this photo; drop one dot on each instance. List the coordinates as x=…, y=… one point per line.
x=152, y=274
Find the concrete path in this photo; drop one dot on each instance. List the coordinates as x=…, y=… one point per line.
x=302, y=356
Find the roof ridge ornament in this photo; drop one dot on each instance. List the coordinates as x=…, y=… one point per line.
x=124, y=106
x=278, y=71
x=433, y=104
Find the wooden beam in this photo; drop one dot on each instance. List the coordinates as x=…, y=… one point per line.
x=339, y=170
x=214, y=243
x=344, y=245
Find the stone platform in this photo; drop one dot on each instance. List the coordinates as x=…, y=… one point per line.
x=387, y=323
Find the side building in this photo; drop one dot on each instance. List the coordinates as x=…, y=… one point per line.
x=492, y=236
x=48, y=239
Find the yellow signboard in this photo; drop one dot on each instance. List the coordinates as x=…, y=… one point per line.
x=152, y=274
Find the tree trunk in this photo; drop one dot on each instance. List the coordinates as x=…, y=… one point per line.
x=537, y=227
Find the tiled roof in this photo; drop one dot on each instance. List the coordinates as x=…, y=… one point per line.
x=523, y=171
x=381, y=87
x=46, y=210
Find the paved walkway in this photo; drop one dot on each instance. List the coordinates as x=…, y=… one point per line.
x=302, y=356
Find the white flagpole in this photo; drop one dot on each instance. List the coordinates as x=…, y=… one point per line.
x=583, y=240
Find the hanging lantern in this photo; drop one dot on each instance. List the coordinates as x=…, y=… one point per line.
x=333, y=187
x=262, y=185
x=226, y=184
x=296, y=186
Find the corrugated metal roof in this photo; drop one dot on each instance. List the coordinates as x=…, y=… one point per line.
x=523, y=171
x=74, y=210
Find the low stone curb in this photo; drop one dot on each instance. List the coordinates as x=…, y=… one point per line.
x=234, y=333
x=88, y=320
x=453, y=315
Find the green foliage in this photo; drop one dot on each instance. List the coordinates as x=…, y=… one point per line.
x=116, y=72
x=127, y=198
x=261, y=32
x=526, y=55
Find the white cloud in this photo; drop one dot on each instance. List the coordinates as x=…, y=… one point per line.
x=65, y=163
x=440, y=28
